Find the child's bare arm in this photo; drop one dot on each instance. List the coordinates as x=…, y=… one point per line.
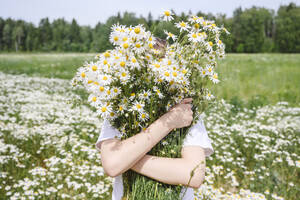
x=175, y=171
x=120, y=155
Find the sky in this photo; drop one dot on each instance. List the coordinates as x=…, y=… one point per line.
x=90, y=12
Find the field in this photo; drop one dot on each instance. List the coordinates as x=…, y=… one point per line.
x=48, y=135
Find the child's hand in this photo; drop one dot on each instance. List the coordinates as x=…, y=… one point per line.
x=181, y=115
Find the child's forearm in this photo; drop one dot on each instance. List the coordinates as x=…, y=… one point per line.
x=174, y=171
x=119, y=156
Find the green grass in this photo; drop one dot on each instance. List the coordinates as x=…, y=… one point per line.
x=275, y=77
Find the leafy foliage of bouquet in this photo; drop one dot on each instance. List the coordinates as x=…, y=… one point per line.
x=143, y=76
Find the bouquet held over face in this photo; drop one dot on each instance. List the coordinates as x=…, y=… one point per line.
x=143, y=76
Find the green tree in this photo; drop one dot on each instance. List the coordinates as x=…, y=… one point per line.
x=288, y=29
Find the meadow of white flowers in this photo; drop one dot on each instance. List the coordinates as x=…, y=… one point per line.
x=47, y=146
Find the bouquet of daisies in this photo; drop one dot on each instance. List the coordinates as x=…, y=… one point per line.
x=135, y=83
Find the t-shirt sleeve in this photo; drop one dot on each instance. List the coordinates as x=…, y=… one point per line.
x=197, y=136
x=107, y=132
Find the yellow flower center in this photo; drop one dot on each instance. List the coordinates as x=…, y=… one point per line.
x=150, y=45
x=143, y=116
x=101, y=89
x=122, y=64
x=90, y=81
x=120, y=108
x=105, y=78
x=82, y=74
x=175, y=74
x=139, y=106
x=94, y=68
x=105, y=62
x=125, y=39
x=108, y=92
x=106, y=55
x=137, y=30
x=137, y=45
x=211, y=44
x=182, y=24
x=169, y=62
x=116, y=38
x=184, y=71
x=215, y=76
x=157, y=65
x=104, y=109
x=167, y=13
x=96, y=83
x=112, y=114
x=196, y=26
x=220, y=41
x=125, y=45
x=94, y=99
x=194, y=35
x=115, y=90
x=124, y=74
x=133, y=60
x=167, y=74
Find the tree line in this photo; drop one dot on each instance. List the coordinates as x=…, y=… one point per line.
x=252, y=30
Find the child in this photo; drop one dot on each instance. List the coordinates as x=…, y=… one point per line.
x=117, y=156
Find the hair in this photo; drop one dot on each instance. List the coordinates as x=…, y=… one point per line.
x=160, y=43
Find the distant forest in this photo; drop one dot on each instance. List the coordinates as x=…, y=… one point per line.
x=252, y=30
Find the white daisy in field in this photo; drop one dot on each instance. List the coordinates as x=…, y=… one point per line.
x=167, y=15
x=183, y=26
x=124, y=76
x=138, y=47
x=203, y=72
x=209, y=69
x=104, y=110
x=145, y=95
x=194, y=19
x=116, y=91
x=138, y=106
x=158, y=92
x=132, y=96
x=143, y=116
x=214, y=78
x=104, y=79
x=170, y=35
x=209, y=46
x=94, y=100
x=133, y=62
x=193, y=37
x=209, y=96
x=112, y=115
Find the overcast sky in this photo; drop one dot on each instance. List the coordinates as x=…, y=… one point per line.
x=89, y=12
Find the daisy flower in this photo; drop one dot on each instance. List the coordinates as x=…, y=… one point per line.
x=170, y=35
x=182, y=26
x=104, y=110
x=94, y=101
x=214, y=78
x=145, y=95
x=143, y=116
x=209, y=96
x=138, y=106
x=193, y=37
x=209, y=69
x=158, y=92
x=167, y=15
x=124, y=76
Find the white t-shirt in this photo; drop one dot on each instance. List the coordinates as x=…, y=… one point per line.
x=197, y=136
